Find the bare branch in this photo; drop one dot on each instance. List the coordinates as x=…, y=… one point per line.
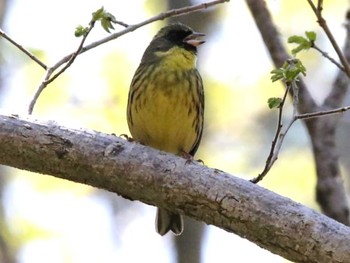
x=322, y=113
x=47, y=80
x=313, y=7
x=325, y=54
x=341, y=83
x=73, y=56
x=280, y=134
x=121, y=23
x=273, y=155
x=319, y=5
x=323, y=24
x=70, y=58
x=161, y=16
x=20, y=47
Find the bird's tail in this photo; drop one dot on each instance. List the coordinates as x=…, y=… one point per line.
x=166, y=221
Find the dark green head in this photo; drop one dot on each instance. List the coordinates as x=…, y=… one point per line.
x=178, y=35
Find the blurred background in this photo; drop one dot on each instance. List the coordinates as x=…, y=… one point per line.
x=44, y=219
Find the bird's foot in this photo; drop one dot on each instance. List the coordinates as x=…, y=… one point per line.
x=189, y=158
x=126, y=137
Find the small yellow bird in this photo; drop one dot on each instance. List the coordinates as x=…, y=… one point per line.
x=166, y=102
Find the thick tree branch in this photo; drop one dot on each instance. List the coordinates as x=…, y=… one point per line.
x=157, y=178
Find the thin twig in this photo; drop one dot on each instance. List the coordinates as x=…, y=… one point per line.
x=131, y=28
x=295, y=89
x=121, y=23
x=313, y=7
x=73, y=56
x=320, y=5
x=293, y=85
x=323, y=24
x=47, y=80
x=272, y=155
x=161, y=16
x=322, y=113
x=325, y=54
x=280, y=135
x=20, y=47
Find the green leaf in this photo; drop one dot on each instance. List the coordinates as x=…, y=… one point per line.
x=289, y=71
x=277, y=74
x=303, y=43
x=111, y=17
x=106, y=19
x=293, y=68
x=299, y=48
x=297, y=40
x=303, y=46
x=311, y=35
x=80, y=31
x=98, y=14
x=274, y=102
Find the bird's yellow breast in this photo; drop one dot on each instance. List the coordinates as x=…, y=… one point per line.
x=164, y=114
x=177, y=58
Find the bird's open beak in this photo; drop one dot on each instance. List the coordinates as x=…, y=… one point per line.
x=193, y=39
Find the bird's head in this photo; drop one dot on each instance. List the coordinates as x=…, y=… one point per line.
x=176, y=36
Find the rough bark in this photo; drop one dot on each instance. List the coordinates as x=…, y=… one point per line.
x=140, y=173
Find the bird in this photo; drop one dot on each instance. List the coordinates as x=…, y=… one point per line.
x=166, y=102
